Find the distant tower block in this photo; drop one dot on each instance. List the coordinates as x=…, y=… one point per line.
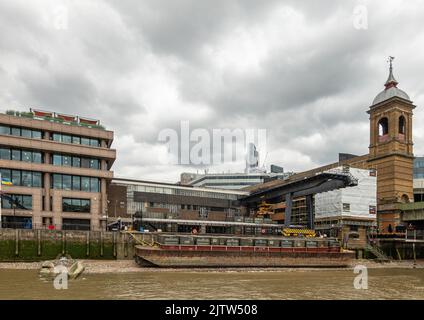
x=252, y=159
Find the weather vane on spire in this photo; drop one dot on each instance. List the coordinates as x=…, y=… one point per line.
x=390, y=61
x=391, y=81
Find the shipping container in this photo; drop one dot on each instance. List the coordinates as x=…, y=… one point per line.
x=246, y=242
x=299, y=243
x=203, y=241
x=311, y=244
x=261, y=242
x=286, y=243
x=233, y=242
x=215, y=241
x=273, y=243
x=187, y=240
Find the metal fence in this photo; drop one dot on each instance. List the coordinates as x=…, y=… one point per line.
x=42, y=226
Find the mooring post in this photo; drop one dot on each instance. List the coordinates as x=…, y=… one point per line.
x=114, y=243
x=287, y=217
x=126, y=245
x=101, y=243
x=63, y=242
x=39, y=242
x=17, y=242
x=87, y=241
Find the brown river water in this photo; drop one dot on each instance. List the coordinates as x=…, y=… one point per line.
x=209, y=284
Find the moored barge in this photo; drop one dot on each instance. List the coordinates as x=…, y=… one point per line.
x=221, y=252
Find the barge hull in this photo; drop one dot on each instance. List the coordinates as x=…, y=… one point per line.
x=165, y=258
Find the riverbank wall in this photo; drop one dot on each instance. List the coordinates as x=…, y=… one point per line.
x=38, y=245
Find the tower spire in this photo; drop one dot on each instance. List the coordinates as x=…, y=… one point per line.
x=391, y=81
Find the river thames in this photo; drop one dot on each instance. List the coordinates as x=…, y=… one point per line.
x=391, y=283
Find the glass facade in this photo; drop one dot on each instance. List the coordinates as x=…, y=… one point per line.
x=182, y=192
x=75, y=205
x=20, y=132
x=23, y=178
x=135, y=206
x=76, y=224
x=18, y=201
x=65, y=138
x=419, y=168
x=76, y=183
x=20, y=155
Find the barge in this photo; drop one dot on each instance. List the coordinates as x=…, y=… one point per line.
x=198, y=252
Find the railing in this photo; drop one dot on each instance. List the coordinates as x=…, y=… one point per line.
x=414, y=235
x=377, y=252
x=42, y=226
x=411, y=206
x=31, y=115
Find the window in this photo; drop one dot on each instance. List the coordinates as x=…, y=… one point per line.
x=346, y=207
x=16, y=177
x=57, y=160
x=27, y=202
x=94, y=185
x=76, y=140
x=76, y=224
x=57, y=181
x=16, y=131
x=37, y=181
x=4, y=153
x=402, y=125
x=85, y=141
x=23, y=132
x=26, y=156
x=66, y=182
x=76, y=183
x=66, y=138
x=94, y=142
x=85, y=163
x=36, y=134
x=26, y=178
x=6, y=204
x=26, y=133
x=5, y=174
x=76, y=162
x=37, y=157
x=57, y=137
x=85, y=184
x=16, y=155
x=94, y=164
x=4, y=130
x=383, y=127
x=22, y=178
x=353, y=228
x=75, y=205
x=66, y=161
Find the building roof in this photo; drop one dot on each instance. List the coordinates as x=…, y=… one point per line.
x=305, y=174
x=391, y=90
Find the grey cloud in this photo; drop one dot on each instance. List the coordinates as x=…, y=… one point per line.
x=103, y=65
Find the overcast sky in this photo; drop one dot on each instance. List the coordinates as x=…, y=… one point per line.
x=302, y=70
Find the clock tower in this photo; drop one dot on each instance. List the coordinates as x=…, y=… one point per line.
x=391, y=151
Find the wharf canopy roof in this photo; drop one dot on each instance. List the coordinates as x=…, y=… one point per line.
x=302, y=175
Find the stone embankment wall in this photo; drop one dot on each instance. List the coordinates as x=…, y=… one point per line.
x=37, y=245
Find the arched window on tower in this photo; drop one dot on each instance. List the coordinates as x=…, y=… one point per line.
x=402, y=127
x=383, y=129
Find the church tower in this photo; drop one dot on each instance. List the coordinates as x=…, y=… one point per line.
x=391, y=151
